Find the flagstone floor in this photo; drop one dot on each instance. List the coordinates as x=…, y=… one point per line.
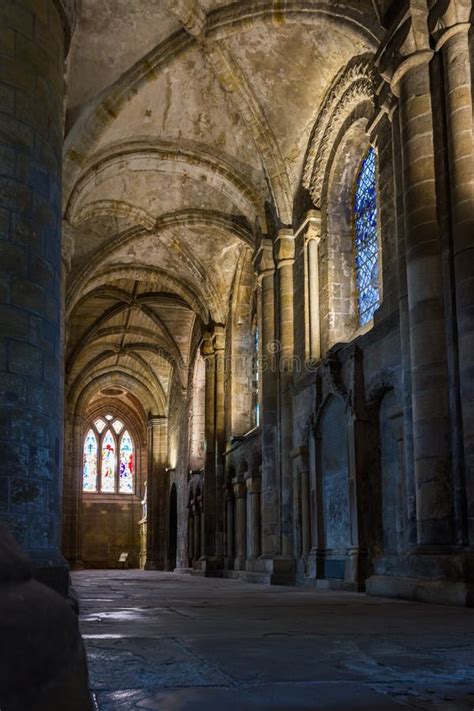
x=174, y=642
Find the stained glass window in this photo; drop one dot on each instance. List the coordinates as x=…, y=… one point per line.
x=99, y=424
x=90, y=462
x=108, y=463
x=366, y=239
x=256, y=378
x=126, y=464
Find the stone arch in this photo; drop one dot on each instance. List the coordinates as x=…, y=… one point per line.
x=338, y=143
x=85, y=536
x=339, y=302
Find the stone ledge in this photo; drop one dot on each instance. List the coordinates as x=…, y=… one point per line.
x=440, y=592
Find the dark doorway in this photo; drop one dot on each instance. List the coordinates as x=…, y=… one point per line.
x=173, y=528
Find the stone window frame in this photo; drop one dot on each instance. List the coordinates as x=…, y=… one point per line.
x=90, y=425
x=339, y=303
x=363, y=328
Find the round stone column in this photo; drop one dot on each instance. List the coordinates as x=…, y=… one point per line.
x=253, y=493
x=190, y=536
x=209, y=490
x=285, y=258
x=429, y=376
x=34, y=38
x=230, y=527
x=240, y=495
x=197, y=529
x=157, y=493
x=453, y=43
x=265, y=269
x=219, y=351
x=305, y=513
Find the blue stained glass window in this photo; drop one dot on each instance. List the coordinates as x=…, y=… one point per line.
x=366, y=239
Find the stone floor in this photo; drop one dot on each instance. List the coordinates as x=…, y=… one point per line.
x=180, y=643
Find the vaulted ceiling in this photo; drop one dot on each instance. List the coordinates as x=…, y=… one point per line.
x=187, y=127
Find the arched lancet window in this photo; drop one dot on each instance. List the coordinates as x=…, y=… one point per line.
x=114, y=470
x=256, y=377
x=90, y=462
x=366, y=239
x=108, y=463
x=255, y=367
x=126, y=464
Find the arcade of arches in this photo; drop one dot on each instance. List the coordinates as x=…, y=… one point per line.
x=255, y=298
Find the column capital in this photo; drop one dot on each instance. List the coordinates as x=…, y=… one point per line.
x=407, y=45
x=263, y=261
x=311, y=226
x=218, y=339
x=207, y=344
x=284, y=248
x=156, y=421
x=240, y=489
x=253, y=484
x=448, y=19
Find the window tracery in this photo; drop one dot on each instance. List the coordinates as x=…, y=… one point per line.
x=114, y=470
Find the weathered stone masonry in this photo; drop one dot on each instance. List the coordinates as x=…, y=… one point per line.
x=208, y=289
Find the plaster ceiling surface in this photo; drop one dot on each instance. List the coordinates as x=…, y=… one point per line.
x=179, y=135
x=111, y=35
x=290, y=71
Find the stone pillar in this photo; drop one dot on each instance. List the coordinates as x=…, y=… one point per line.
x=410, y=81
x=230, y=552
x=253, y=494
x=73, y=493
x=197, y=531
x=190, y=536
x=265, y=269
x=312, y=240
x=305, y=514
x=240, y=495
x=219, y=351
x=284, y=258
x=209, y=489
x=34, y=40
x=451, y=31
x=157, y=491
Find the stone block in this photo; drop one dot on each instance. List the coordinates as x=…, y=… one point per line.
x=17, y=74
x=25, y=359
x=12, y=259
x=13, y=323
x=7, y=160
x=15, y=196
x=40, y=462
x=18, y=18
x=13, y=391
x=24, y=232
x=32, y=113
x=28, y=295
x=7, y=99
x=26, y=492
